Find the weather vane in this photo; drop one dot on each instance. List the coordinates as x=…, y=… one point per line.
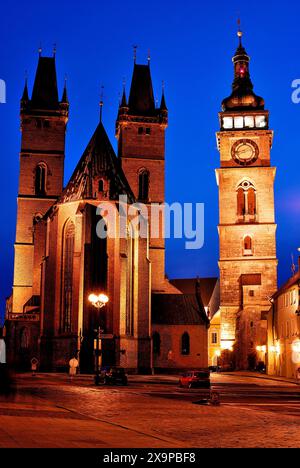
x=101, y=102
x=134, y=53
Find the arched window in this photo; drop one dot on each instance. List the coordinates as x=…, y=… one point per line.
x=185, y=344
x=101, y=185
x=67, y=283
x=241, y=202
x=251, y=201
x=40, y=179
x=247, y=245
x=144, y=185
x=156, y=343
x=246, y=199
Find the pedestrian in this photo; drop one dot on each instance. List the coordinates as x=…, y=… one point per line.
x=73, y=364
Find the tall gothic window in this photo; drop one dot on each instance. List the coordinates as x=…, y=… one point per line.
x=130, y=283
x=144, y=185
x=40, y=179
x=185, y=344
x=67, y=283
x=246, y=199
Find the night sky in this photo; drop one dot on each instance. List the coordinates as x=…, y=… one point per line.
x=191, y=46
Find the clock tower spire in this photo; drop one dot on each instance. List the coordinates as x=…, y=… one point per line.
x=247, y=229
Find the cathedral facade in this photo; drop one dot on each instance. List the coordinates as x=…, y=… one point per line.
x=60, y=260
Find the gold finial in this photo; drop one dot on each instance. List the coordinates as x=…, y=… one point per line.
x=239, y=33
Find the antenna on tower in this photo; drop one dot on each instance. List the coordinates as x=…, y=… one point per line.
x=101, y=102
x=40, y=50
x=134, y=53
x=54, y=49
x=239, y=33
x=149, y=57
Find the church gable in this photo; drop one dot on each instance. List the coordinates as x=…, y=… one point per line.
x=98, y=174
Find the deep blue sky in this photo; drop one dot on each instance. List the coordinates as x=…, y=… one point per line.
x=191, y=45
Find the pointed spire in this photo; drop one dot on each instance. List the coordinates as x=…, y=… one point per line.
x=101, y=102
x=64, y=98
x=123, y=102
x=239, y=33
x=243, y=96
x=163, y=105
x=45, y=92
x=25, y=96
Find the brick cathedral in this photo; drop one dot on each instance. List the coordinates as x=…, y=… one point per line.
x=149, y=322
x=60, y=260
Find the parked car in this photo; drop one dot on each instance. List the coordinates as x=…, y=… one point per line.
x=115, y=375
x=195, y=379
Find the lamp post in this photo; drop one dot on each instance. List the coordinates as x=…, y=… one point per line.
x=98, y=302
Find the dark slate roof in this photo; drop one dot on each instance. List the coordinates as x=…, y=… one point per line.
x=188, y=286
x=45, y=92
x=141, y=98
x=177, y=309
x=99, y=158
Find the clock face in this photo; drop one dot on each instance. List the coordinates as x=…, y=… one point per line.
x=245, y=152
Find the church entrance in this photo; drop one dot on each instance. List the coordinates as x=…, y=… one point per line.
x=95, y=282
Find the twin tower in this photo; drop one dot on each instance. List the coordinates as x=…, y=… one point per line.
x=247, y=229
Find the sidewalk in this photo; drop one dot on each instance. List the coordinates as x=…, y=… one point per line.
x=258, y=375
x=27, y=422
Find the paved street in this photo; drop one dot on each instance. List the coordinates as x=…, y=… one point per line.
x=50, y=411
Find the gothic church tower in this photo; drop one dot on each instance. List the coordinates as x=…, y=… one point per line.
x=140, y=130
x=43, y=126
x=247, y=229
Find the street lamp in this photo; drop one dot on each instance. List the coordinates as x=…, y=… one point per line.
x=98, y=302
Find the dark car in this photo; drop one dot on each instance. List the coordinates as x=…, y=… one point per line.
x=115, y=376
x=195, y=379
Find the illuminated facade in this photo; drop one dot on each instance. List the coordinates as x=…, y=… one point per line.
x=283, y=350
x=247, y=229
x=59, y=258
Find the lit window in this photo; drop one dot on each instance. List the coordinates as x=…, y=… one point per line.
x=214, y=338
x=227, y=122
x=249, y=122
x=238, y=122
x=260, y=121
